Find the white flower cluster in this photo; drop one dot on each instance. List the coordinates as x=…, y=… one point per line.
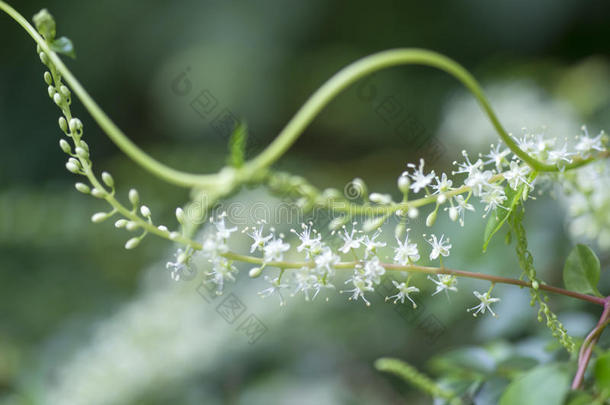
x=213, y=249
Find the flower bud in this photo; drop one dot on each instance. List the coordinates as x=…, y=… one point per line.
x=99, y=217
x=75, y=125
x=83, y=188
x=338, y=222
x=431, y=218
x=120, y=223
x=107, y=179
x=400, y=229
x=72, y=167
x=442, y=198
x=65, y=146
x=83, y=154
x=65, y=91
x=97, y=193
x=174, y=235
x=134, y=197
x=255, y=272
x=413, y=212
x=51, y=91
x=57, y=98
x=180, y=215
x=132, y=243
x=404, y=184
x=48, y=79
x=43, y=58
x=453, y=213
x=382, y=199
x=63, y=124
x=163, y=228
x=145, y=211
x=131, y=226
x=373, y=223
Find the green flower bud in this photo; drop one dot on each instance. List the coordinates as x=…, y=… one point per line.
x=431, y=218
x=83, y=154
x=413, y=212
x=51, y=91
x=132, y=243
x=44, y=58
x=180, y=215
x=174, y=235
x=145, y=211
x=75, y=125
x=97, y=193
x=65, y=146
x=255, y=272
x=131, y=226
x=107, y=179
x=400, y=230
x=99, y=217
x=63, y=124
x=338, y=222
x=48, y=79
x=57, y=98
x=134, y=197
x=72, y=167
x=65, y=91
x=403, y=184
x=83, y=188
x=373, y=223
x=163, y=228
x=120, y=223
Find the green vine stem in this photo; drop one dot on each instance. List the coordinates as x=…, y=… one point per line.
x=233, y=178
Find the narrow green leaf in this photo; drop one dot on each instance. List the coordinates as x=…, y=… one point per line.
x=581, y=271
x=237, y=145
x=64, y=46
x=499, y=217
x=547, y=384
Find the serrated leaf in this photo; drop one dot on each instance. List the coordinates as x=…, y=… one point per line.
x=581, y=271
x=547, y=384
x=237, y=145
x=64, y=46
x=499, y=217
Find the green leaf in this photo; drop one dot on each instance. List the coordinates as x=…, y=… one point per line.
x=581, y=271
x=237, y=145
x=547, y=384
x=499, y=217
x=45, y=24
x=64, y=46
x=602, y=372
x=579, y=398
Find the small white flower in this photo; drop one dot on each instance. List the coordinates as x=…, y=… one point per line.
x=443, y=184
x=326, y=260
x=486, y=301
x=311, y=245
x=493, y=197
x=373, y=270
x=440, y=247
x=420, y=180
x=305, y=282
x=274, y=250
x=516, y=175
x=361, y=285
x=497, y=156
x=586, y=144
x=444, y=282
x=178, y=267
x=276, y=288
x=351, y=241
x=222, y=271
x=371, y=244
x=403, y=292
x=222, y=232
x=557, y=155
x=406, y=252
x=478, y=181
x=259, y=239
x=467, y=167
x=461, y=208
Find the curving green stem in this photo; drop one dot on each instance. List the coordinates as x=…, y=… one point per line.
x=296, y=125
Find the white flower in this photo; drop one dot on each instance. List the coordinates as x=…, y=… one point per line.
x=350, y=240
x=222, y=270
x=461, y=208
x=361, y=285
x=442, y=185
x=311, y=245
x=306, y=281
x=373, y=270
x=406, y=252
x=440, y=247
x=274, y=250
x=493, y=197
x=557, y=155
x=259, y=239
x=276, y=287
x=444, y=282
x=371, y=245
x=486, y=301
x=179, y=266
x=478, y=180
x=467, y=167
x=420, y=180
x=586, y=144
x=516, y=175
x=403, y=292
x=326, y=260
x=497, y=156
x=222, y=232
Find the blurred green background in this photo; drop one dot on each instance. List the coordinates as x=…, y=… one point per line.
x=84, y=321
